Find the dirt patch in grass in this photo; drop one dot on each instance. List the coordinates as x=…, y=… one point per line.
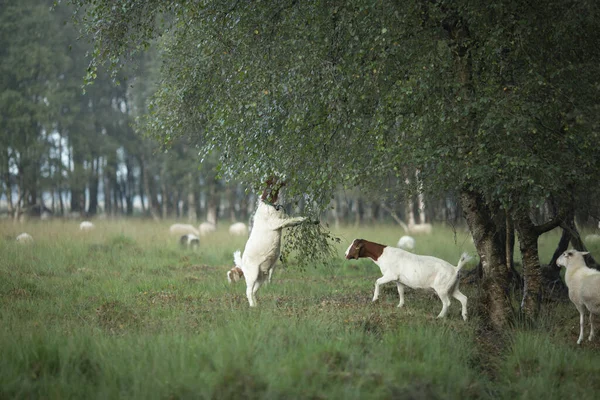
x=116, y=317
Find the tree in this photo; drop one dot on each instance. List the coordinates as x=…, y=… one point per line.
x=495, y=102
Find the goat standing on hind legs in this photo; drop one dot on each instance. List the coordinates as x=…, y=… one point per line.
x=264, y=244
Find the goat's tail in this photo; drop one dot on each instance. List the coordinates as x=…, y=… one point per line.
x=464, y=258
x=237, y=258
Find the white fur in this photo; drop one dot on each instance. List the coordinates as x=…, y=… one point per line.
x=183, y=229
x=406, y=243
x=263, y=246
x=206, y=228
x=235, y=273
x=584, y=287
x=25, y=238
x=238, y=229
x=86, y=226
x=420, y=272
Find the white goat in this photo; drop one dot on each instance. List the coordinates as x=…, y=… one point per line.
x=86, y=226
x=183, y=229
x=206, y=228
x=412, y=270
x=406, y=243
x=238, y=229
x=264, y=244
x=190, y=241
x=584, y=287
x=25, y=238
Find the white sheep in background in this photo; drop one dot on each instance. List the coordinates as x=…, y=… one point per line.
x=189, y=241
x=412, y=270
x=25, y=238
x=183, y=229
x=86, y=226
x=264, y=244
x=238, y=229
x=424, y=229
x=584, y=287
x=206, y=228
x=592, y=238
x=406, y=243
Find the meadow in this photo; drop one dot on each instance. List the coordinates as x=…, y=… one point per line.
x=123, y=312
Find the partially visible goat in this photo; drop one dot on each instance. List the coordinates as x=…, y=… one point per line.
x=412, y=270
x=584, y=287
x=189, y=241
x=264, y=244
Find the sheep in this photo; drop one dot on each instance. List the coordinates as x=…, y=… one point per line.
x=25, y=238
x=86, y=226
x=238, y=229
x=205, y=228
x=236, y=273
x=189, y=241
x=406, y=243
x=264, y=244
x=584, y=287
x=183, y=229
x=420, y=229
x=592, y=238
x=412, y=270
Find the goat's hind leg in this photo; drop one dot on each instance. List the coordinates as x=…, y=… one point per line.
x=591, y=326
x=457, y=294
x=581, y=310
x=445, y=304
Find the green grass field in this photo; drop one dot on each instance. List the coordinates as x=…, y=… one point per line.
x=123, y=312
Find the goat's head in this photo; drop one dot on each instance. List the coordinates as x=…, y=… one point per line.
x=271, y=192
x=570, y=256
x=355, y=249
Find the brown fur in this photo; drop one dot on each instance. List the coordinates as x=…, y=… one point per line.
x=234, y=274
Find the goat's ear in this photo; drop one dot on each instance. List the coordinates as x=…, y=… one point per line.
x=584, y=253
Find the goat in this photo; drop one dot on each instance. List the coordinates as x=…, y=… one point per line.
x=412, y=270
x=420, y=228
x=406, y=243
x=584, y=287
x=189, y=241
x=264, y=244
x=183, y=229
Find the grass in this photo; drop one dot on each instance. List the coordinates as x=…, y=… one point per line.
x=123, y=312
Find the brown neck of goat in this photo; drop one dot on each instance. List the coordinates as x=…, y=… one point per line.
x=371, y=249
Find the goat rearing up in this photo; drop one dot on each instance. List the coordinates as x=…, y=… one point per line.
x=264, y=244
x=412, y=270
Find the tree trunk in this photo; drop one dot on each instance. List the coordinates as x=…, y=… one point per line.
x=93, y=184
x=532, y=274
x=489, y=238
x=191, y=200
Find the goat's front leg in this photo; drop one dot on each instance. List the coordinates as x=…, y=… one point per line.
x=591, y=327
x=581, y=310
x=381, y=281
x=287, y=223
